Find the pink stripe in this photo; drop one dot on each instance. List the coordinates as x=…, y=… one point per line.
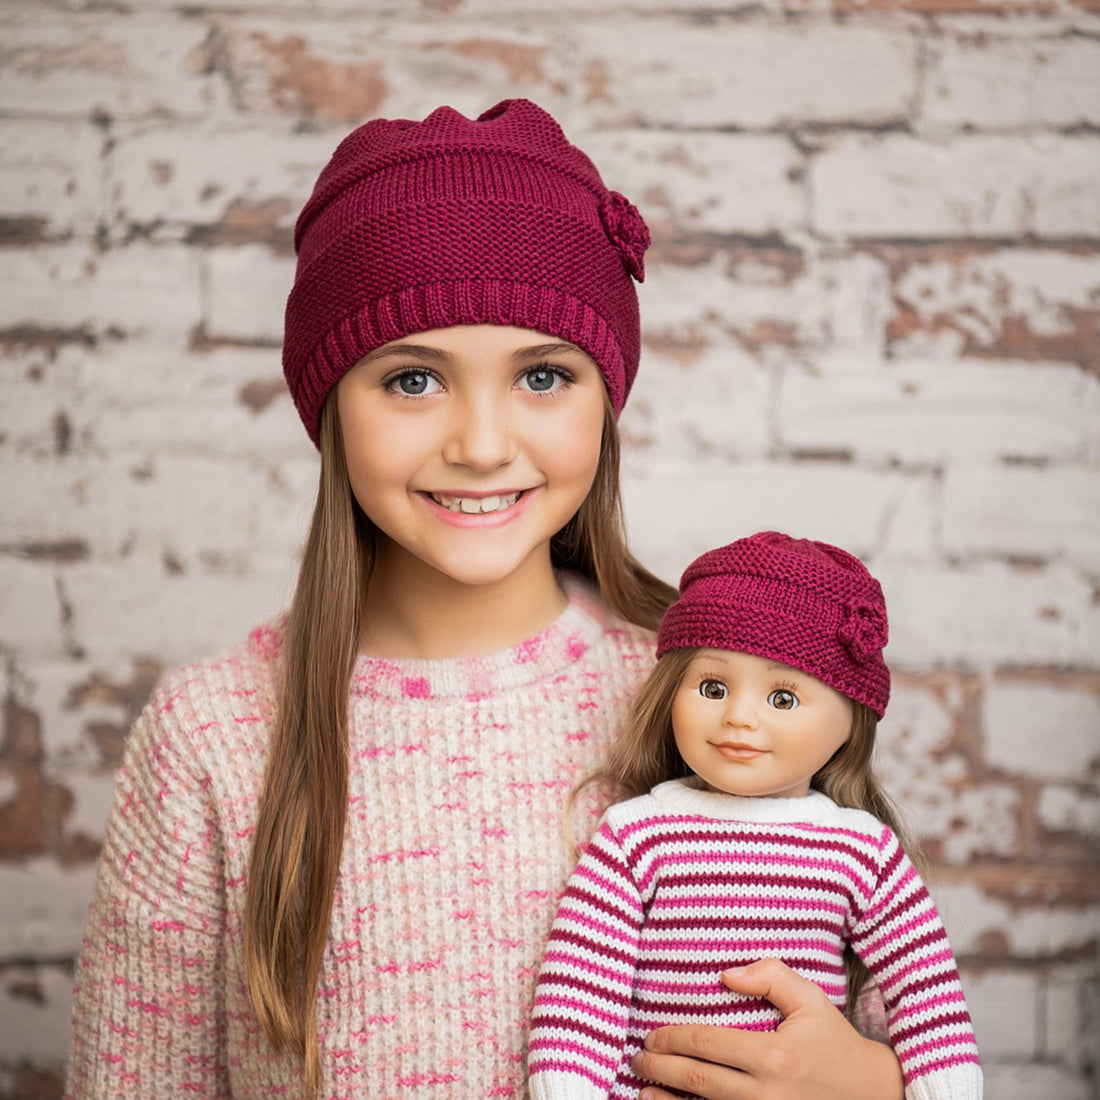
x=926, y=1003
x=908, y=930
x=584, y=966
x=923, y=965
x=574, y=916
x=784, y=904
x=571, y=1046
x=584, y=871
x=761, y=945
x=963, y=1058
x=589, y=1008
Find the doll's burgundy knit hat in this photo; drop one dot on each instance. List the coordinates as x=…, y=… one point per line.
x=497, y=220
x=807, y=604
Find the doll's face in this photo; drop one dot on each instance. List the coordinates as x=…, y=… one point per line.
x=469, y=447
x=747, y=725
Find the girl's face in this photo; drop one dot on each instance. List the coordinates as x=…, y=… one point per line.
x=747, y=725
x=469, y=447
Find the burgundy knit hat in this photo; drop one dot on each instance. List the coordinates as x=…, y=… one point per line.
x=807, y=604
x=421, y=225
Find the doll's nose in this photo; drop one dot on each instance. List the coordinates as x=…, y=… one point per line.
x=741, y=711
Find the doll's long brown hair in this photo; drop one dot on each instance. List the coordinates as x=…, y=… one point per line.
x=299, y=834
x=645, y=754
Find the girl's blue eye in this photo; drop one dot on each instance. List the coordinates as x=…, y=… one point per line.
x=712, y=689
x=542, y=380
x=782, y=699
x=414, y=383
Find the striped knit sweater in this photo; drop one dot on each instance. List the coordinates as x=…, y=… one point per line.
x=680, y=884
x=453, y=863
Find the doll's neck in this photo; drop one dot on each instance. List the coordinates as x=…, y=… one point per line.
x=419, y=612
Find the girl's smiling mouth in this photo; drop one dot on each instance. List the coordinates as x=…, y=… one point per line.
x=468, y=504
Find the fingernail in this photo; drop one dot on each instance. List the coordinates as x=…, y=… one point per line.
x=733, y=972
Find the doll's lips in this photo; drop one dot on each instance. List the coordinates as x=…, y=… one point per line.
x=738, y=750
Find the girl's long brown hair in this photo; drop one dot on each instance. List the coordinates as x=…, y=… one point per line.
x=645, y=754
x=299, y=834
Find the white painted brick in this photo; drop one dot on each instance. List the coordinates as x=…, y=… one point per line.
x=42, y=909
x=92, y=798
x=977, y=186
x=52, y=171
x=740, y=74
x=699, y=182
x=677, y=509
x=987, y=615
x=1023, y=511
x=1068, y=810
x=117, y=402
x=1036, y=929
x=665, y=407
x=1004, y=1008
x=44, y=687
x=120, y=611
x=1071, y=1022
x=1012, y=1080
x=1023, y=719
x=992, y=82
x=84, y=63
x=931, y=783
x=36, y=1030
x=30, y=609
x=989, y=302
x=936, y=411
x=188, y=176
x=142, y=289
x=838, y=303
x=245, y=293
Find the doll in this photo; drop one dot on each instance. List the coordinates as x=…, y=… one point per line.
x=762, y=833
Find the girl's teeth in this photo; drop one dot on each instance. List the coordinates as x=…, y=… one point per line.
x=476, y=505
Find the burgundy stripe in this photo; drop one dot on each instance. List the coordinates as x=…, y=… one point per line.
x=961, y=1017
x=572, y=1025
x=591, y=947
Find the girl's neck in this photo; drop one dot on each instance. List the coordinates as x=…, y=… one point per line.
x=413, y=610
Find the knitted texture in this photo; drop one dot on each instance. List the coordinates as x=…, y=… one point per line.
x=420, y=225
x=810, y=605
x=453, y=862
x=681, y=883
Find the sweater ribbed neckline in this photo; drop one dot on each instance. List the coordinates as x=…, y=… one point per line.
x=548, y=653
x=680, y=796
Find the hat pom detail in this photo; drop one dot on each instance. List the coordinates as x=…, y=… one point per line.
x=862, y=630
x=627, y=230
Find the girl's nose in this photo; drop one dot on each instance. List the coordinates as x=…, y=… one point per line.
x=481, y=435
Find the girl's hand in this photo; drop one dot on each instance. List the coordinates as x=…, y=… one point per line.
x=815, y=1054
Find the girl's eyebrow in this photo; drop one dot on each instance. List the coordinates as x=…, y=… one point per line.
x=538, y=351
x=422, y=351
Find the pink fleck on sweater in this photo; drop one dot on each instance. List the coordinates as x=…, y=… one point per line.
x=682, y=883
x=453, y=863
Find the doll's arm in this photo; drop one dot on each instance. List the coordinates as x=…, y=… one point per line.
x=901, y=938
x=148, y=1012
x=582, y=1000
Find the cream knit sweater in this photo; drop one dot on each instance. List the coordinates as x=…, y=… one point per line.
x=452, y=868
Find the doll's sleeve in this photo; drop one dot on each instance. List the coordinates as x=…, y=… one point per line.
x=148, y=1009
x=901, y=939
x=582, y=1000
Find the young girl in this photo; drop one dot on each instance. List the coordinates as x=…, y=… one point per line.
x=332, y=860
x=764, y=834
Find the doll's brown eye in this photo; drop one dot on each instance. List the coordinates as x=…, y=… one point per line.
x=783, y=700
x=712, y=689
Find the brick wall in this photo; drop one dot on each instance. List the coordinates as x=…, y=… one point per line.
x=871, y=317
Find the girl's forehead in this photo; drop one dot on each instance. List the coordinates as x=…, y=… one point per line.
x=461, y=340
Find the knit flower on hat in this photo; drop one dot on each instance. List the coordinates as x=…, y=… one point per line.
x=627, y=230
x=862, y=630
